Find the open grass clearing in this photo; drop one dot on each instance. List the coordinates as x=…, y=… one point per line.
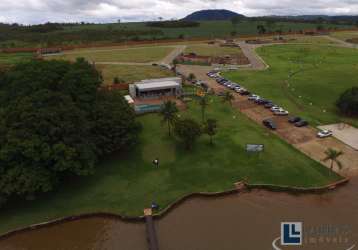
x=305, y=79
x=128, y=182
x=344, y=35
x=212, y=50
x=135, y=54
x=310, y=40
x=130, y=73
x=13, y=58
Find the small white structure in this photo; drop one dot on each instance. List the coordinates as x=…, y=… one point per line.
x=129, y=99
x=156, y=88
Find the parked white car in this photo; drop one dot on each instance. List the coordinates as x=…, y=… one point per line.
x=324, y=133
x=281, y=112
x=254, y=97
x=276, y=108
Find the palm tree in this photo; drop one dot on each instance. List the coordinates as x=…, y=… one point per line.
x=191, y=77
x=211, y=127
x=169, y=114
x=228, y=97
x=203, y=102
x=333, y=155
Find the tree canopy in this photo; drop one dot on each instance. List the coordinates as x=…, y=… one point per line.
x=348, y=102
x=188, y=130
x=54, y=123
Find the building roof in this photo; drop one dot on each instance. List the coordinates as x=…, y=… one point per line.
x=167, y=79
x=157, y=85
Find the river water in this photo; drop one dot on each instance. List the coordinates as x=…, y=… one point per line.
x=240, y=221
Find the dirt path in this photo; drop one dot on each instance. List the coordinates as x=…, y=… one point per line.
x=341, y=42
x=176, y=52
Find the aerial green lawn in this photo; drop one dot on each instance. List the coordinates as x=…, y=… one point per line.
x=12, y=58
x=135, y=54
x=128, y=182
x=212, y=50
x=130, y=73
x=305, y=79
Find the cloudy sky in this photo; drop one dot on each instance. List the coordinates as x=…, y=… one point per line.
x=39, y=11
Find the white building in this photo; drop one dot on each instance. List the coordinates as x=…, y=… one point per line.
x=156, y=88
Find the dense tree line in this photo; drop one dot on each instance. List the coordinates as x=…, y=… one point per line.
x=56, y=124
x=174, y=24
x=55, y=34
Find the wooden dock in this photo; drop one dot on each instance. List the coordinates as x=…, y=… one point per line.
x=151, y=233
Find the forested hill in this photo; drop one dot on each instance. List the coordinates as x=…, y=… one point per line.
x=212, y=15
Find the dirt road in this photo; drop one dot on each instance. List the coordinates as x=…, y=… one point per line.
x=257, y=63
x=341, y=42
x=172, y=55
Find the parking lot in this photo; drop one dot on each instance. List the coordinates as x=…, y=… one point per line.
x=303, y=138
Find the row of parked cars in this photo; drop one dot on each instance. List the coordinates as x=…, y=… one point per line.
x=268, y=104
x=228, y=84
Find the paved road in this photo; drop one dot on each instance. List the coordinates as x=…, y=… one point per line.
x=257, y=63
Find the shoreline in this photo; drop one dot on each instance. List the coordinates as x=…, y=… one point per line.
x=241, y=187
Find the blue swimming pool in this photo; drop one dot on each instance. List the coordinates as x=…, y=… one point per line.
x=147, y=108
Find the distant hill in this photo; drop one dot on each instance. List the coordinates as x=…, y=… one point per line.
x=211, y=15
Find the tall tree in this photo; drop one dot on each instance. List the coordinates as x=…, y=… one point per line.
x=211, y=128
x=203, y=102
x=261, y=29
x=52, y=125
x=228, y=97
x=191, y=77
x=333, y=155
x=188, y=131
x=169, y=114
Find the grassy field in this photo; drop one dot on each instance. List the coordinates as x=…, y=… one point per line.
x=127, y=183
x=212, y=50
x=319, y=75
x=7, y=58
x=345, y=35
x=136, y=55
x=310, y=40
x=129, y=73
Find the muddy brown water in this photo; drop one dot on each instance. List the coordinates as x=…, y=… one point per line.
x=240, y=221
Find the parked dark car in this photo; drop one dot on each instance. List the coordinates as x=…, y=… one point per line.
x=294, y=119
x=245, y=92
x=301, y=123
x=262, y=101
x=270, y=124
x=269, y=105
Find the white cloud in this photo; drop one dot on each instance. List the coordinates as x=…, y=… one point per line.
x=37, y=11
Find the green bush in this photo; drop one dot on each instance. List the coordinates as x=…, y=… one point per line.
x=348, y=102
